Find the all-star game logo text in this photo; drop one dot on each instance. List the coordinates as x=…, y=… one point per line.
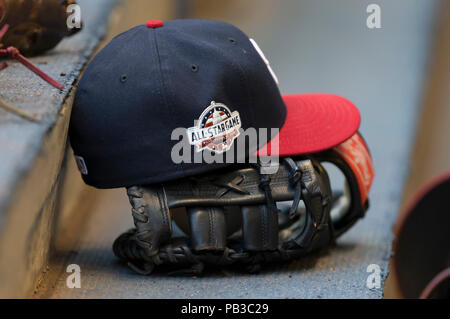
x=216, y=129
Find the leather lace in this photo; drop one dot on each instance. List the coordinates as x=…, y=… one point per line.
x=131, y=248
x=14, y=53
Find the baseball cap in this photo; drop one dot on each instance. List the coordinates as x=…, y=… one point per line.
x=205, y=76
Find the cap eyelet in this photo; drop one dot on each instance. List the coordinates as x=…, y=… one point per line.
x=194, y=68
x=123, y=78
x=233, y=41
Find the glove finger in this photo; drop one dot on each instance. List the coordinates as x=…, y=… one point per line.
x=233, y=219
x=259, y=228
x=208, y=228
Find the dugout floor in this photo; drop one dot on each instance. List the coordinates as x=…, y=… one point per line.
x=313, y=46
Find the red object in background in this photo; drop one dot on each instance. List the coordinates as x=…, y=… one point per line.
x=355, y=152
x=3, y=31
x=422, y=247
x=14, y=53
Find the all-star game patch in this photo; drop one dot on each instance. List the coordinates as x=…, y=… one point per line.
x=216, y=129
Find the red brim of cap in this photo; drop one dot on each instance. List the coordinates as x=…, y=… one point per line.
x=314, y=122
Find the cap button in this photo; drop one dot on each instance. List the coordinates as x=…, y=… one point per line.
x=154, y=24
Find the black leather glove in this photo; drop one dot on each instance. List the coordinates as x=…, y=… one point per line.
x=239, y=216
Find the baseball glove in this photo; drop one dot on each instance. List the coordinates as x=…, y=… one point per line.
x=35, y=26
x=241, y=216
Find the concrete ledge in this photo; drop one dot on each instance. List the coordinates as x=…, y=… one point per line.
x=27, y=228
x=31, y=154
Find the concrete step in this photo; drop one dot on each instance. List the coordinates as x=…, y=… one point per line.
x=32, y=166
x=313, y=46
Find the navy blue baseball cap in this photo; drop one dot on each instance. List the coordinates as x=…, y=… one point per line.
x=205, y=76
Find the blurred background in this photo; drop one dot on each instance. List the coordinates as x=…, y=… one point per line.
x=397, y=75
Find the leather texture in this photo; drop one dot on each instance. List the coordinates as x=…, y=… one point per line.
x=208, y=231
x=35, y=26
x=357, y=209
x=269, y=230
x=31, y=27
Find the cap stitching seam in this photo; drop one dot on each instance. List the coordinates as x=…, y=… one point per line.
x=178, y=167
x=244, y=81
x=242, y=76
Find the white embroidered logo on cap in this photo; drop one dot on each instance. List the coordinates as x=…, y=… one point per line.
x=81, y=165
x=261, y=53
x=216, y=129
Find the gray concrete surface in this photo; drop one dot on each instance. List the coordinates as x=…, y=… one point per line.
x=313, y=46
x=21, y=140
x=32, y=154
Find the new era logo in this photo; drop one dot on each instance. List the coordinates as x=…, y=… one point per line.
x=81, y=165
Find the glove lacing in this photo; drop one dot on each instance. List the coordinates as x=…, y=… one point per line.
x=131, y=248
